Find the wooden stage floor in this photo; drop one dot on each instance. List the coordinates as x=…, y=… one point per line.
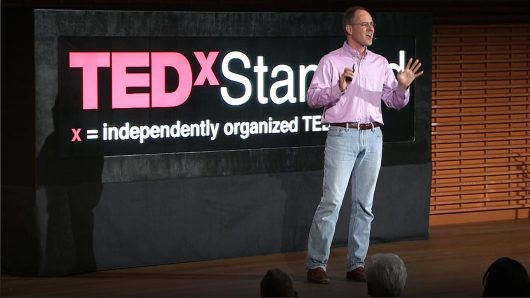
x=450, y=264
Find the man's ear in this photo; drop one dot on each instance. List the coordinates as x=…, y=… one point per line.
x=349, y=29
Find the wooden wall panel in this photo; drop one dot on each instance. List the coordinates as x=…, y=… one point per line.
x=480, y=123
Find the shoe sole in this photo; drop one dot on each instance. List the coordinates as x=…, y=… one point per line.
x=324, y=281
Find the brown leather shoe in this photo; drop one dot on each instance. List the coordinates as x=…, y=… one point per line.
x=356, y=274
x=317, y=275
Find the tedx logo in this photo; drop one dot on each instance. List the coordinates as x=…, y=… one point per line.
x=121, y=79
x=288, y=82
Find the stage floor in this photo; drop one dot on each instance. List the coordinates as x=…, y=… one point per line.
x=451, y=263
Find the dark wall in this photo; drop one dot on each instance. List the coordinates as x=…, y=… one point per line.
x=443, y=11
x=18, y=93
x=18, y=225
x=182, y=220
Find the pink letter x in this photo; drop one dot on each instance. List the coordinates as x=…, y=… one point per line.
x=76, y=132
x=206, y=69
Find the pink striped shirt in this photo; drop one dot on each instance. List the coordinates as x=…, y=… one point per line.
x=373, y=81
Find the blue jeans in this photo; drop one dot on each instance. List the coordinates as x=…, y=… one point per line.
x=351, y=156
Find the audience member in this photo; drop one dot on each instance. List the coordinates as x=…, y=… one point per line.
x=386, y=275
x=506, y=277
x=277, y=283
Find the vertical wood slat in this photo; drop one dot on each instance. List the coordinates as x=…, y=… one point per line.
x=480, y=123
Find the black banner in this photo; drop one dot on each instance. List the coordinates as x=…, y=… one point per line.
x=139, y=95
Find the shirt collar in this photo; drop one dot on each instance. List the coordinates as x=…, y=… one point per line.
x=353, y=52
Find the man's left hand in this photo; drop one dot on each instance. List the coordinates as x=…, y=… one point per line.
x=409, y=74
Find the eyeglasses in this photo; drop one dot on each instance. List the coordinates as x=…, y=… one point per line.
x=365, y=24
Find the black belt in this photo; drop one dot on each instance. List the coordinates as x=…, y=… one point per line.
x=360, y=126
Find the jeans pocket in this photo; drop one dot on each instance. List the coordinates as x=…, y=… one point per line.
x=338, y=145
x=378, y=132
x=335, y=131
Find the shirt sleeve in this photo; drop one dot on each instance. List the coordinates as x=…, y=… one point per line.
x=324, y=88
x=393, y=95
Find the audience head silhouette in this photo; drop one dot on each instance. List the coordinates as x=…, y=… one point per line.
x=506, y=277
x=386, y=275
x=277, y=283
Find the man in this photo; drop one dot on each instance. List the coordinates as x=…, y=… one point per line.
x=386, y=275
x=350, y=83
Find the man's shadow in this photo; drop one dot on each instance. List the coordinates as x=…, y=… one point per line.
x=73, y=188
